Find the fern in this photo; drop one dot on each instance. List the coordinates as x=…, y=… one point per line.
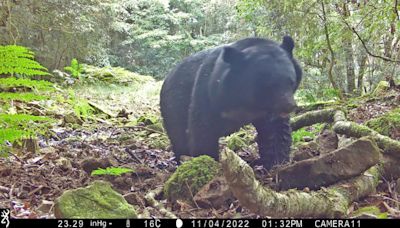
x=19, y=60
x=75, y=68
x=6, y=83
x=21, y=119
x=22, y=97
x=28, y=123
x=12, y=135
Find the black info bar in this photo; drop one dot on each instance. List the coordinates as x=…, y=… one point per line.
x=200, y=223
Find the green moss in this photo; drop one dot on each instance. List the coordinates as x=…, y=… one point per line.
x=117, y=75
x=381, y=88
x=386, y=123
x=190, y=177
x=312, y=131
x=370, y=210
x=22, y=97
x=98, y=200
x=240, y=139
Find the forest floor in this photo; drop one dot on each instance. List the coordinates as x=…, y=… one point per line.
x=30, y=182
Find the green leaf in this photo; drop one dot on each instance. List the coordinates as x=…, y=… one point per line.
x=113, y=171
x=19, y=60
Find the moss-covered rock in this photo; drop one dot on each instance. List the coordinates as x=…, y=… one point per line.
x=190, y=177
x=387, y=123
x=381, y=88
x=97, y=200
x=116, y=75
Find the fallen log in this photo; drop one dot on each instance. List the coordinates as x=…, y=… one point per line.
x=327, y=202
x=348, y=128
x=312, y=117
x=329, y=168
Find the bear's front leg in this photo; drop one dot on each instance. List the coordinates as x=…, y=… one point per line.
x=203, y=140
x=274, y=141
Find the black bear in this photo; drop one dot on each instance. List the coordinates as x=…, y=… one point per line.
x=215, y=92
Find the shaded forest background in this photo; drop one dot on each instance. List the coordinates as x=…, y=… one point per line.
x=80, y=84
x=345, y=47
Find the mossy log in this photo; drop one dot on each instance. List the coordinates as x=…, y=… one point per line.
x=388, y=145
x=327, y=202
x=348, y=128
x=329, y=168
x=312, y=117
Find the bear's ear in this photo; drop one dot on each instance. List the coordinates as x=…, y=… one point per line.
x=231, y=55
x=288, y=44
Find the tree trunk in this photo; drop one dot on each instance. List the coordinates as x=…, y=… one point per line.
x=361, y=72
x=349, y=55
x=332, y=60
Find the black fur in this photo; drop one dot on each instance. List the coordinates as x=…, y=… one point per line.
x=215, y=92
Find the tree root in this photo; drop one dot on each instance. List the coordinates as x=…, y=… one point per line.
x=333, y=201
x=348, y=128
x=327, y=202
x=312, y=117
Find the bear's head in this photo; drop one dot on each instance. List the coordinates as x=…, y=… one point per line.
x=257, y=80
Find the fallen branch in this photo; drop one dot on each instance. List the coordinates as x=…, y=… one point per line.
x=330, y=168
x=328, y=202
x=348, y=128
x=333, y=201
x=341, y=126
x=312, y=117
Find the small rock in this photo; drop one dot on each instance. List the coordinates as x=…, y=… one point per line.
x=97, y=200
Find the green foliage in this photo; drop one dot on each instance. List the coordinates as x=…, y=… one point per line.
x=310, y=96
x=75, y=68
x=148, y=119
x=387, y=124
x=32, y=125
x=190, y=177
x=81, y=107
x=14, y=127
x=26, y=97
x=6, y=83
x=161, y=33
x=12, y=135
x=240, y=140
x=297, y=136
x=114, y=75
x=112, y=171
x=370, y=210
x=21, y=119
x=19, y=60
